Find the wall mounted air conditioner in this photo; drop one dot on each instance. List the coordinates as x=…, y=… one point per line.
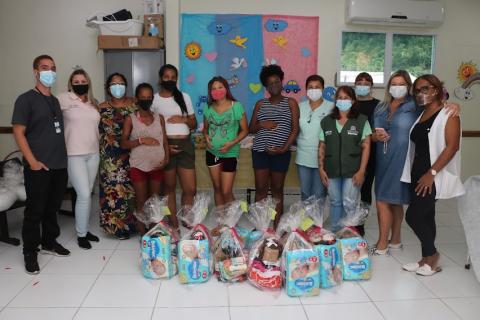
x=405, y=13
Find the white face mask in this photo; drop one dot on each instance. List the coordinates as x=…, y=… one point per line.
x=398, y=91
x=314, y=94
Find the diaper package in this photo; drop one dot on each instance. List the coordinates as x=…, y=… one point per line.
x=229, y=259
x=331, y=270
x=301, y=264
x=159, y=244
x=159, y=252
x=324, y=242
x=194, y=256
x=264, y=262
x=355, y=259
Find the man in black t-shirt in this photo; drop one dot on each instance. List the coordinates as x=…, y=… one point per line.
x=38, y=130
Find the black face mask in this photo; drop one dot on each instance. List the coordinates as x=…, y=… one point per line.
x=169, y=85
x=80, y=89
x=145, y=104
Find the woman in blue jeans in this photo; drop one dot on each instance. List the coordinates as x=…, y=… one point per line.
x=343, y=153
x=312, y=111
x=81, y=118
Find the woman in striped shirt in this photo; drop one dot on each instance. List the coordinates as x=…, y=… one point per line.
x=275, y=125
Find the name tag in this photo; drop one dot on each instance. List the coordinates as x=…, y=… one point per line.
x=353, y=131
x=56, y=124
x=328, y=133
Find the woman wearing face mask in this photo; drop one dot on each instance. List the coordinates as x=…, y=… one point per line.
x=144, y=134
x=81, y=118
x=312, y=111
x=393, y=119
x=367, y=104
x=343, y=153
x=432, y=168
x=177, y=109
x=275, y=125
x=225, y=125
x=116, y=191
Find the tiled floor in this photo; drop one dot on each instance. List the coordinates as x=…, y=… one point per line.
x=105, y=283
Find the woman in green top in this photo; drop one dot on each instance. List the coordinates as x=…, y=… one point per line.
x=225, y=125
x=343, y=153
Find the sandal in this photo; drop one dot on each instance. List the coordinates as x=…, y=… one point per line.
x=411, y=267
x=426, y=270
x=378, y=252
x=395, y=246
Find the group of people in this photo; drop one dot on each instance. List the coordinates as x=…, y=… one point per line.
x=408, y=144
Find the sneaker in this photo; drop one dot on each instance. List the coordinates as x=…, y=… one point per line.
x=92, y=237
x=31, y=263
x=84, y=243
x=56, y=249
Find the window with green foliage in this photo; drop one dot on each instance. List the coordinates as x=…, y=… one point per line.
x=380, y=54
x=413, y=53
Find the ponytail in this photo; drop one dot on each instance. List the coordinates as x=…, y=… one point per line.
x=177, y=94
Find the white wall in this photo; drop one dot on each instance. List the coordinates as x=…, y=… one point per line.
x=32, y=27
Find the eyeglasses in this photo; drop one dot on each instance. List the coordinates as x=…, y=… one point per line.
x=423, y=89
x=310, y=117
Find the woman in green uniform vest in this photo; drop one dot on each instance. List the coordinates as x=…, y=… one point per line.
x=343, y=152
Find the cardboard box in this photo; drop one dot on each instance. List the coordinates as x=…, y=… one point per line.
x=129, y=42
x=157, y=20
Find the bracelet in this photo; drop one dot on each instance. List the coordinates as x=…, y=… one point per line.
x=139, y=140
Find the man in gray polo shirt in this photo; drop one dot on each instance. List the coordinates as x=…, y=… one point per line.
x=38, y=130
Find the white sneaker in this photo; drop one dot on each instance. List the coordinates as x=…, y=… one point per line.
x=395, y=246
x=426, y=270
x=411, y=267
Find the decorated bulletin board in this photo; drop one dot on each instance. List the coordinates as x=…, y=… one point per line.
x=237, y=46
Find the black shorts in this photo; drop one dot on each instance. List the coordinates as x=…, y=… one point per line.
x=227, y=164
x=277, y=162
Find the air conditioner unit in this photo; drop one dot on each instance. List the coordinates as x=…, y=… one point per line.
x=405, y=13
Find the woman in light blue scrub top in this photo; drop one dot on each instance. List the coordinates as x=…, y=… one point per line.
x=312, y=111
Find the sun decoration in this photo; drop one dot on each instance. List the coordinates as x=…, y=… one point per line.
x=193, y=50
x=465, y=70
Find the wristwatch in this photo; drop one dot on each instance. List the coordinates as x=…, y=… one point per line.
x=433, y=172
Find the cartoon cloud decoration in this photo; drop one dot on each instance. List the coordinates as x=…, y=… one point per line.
x=219, y=28
x=464, y=92
x=273, y=25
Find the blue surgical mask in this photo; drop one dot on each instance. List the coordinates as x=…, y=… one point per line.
x=362, y=91
x=48, y=78
x=344, y=105
x=117, y=90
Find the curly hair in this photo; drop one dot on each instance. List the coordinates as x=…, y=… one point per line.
x=270, y=70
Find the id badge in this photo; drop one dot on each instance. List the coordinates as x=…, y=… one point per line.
x=56, y=124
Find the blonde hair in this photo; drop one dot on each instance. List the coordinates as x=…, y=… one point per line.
x=84, y=73
x=400, y=73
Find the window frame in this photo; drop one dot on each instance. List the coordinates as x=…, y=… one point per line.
x=388, y=59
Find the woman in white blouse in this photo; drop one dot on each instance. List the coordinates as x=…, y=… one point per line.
x=176, y=108
x=81, y=118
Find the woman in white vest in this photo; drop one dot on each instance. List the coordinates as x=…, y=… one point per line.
x=432, y=168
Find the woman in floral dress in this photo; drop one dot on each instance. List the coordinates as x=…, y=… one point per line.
x=116, y=191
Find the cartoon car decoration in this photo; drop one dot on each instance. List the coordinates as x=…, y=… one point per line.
x=291, y=85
